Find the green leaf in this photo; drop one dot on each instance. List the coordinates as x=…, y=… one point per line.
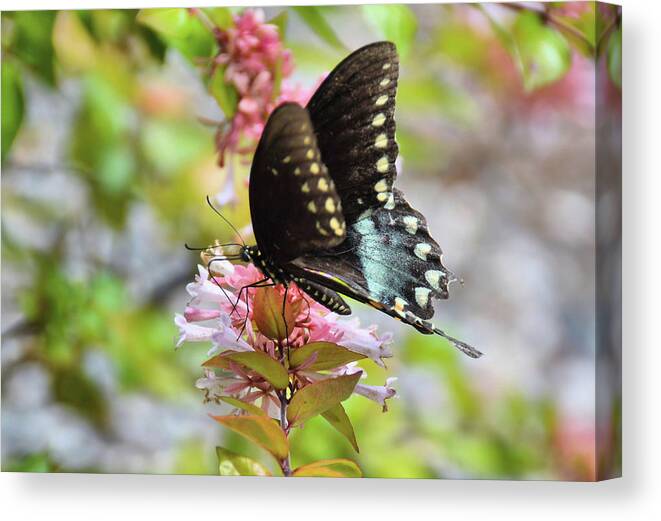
x=224, y=93
x=220, y=16
x=258, y=361
x=280, y=21
x=396, y=23
x=261, y=430
x=315, y=18
x=233, y=464
x=240, y=404
x=329, y=468
x=542, y=54
x=75, y=48
x=168, y=22
x=320, y=396
x=328, y=356
x=33, y=42
x=172, y=145
x=13, y=104
x=179, y=29
x=338, y=418
x=614, y=57
x=586, y=26
x=425, y=93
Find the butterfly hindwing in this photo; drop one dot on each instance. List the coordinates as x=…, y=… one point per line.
x=390, y=262
x=294, y=205
x=392, y=257
x=353, y=116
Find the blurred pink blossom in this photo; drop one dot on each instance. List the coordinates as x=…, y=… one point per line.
x=253, y=56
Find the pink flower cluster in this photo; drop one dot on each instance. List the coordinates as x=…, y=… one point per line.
x=212, y=316
x=253, y=56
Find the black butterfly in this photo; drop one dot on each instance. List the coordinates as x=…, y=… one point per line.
x=324, y=210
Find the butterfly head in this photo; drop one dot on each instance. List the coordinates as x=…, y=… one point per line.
x=237, y=252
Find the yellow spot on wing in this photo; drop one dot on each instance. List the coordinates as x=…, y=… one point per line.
x=379, y=120
x=382, y=164
x=330, y=205
x=381, y=186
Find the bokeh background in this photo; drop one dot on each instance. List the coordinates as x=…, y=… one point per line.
x=108, y=150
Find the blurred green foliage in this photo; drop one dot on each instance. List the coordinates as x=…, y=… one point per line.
x=135, y=140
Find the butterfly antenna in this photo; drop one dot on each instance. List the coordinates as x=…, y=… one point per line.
x=225, y=219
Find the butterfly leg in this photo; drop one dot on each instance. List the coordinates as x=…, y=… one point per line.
x=213, y=277
x=284, y=319
x=264, y=283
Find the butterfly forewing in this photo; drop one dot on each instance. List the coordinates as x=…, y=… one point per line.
x=353, y=117
x=294, y=205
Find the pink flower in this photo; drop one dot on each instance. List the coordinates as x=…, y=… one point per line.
x=363, y=341
x=253, y=56
x=237, y=318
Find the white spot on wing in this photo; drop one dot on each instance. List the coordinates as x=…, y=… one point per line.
x=422, y=296
x=434, y=277
x=411, y=224
x=421, y=250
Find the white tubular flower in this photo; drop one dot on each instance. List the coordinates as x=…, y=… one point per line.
x=191, y=332
x=363, y=341
x=378, y=393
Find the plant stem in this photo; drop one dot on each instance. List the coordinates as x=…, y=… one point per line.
x=551, y=19
x=285, y=464
x=283, y=347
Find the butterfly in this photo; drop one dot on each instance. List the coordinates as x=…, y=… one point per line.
x=325, y=213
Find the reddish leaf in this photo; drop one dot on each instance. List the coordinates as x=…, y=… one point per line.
x=329, y=356
x=329, y=468
x=338, y=418
x=267, y=311
x=320, y=396
x=261, y=430
x=258, y=361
